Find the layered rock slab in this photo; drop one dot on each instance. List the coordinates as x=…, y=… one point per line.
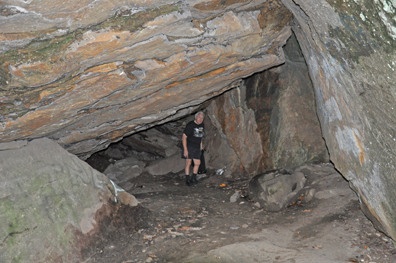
x=350, y=52
x=51, y=203
x=126, y=67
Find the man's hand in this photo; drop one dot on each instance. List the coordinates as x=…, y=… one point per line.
x=186, y=153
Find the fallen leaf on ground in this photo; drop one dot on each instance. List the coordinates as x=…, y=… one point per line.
x=184, y=228
x=352, y=260
x=222, y=185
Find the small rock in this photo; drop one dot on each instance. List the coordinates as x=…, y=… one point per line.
x=326, y=194
x=309, y=195
x=234, y=197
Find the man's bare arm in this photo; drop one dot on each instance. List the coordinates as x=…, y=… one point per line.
x=184, y=141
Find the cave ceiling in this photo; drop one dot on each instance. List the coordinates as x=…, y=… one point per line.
x=89, y=73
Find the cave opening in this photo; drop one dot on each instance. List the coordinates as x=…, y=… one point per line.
x=267, y=122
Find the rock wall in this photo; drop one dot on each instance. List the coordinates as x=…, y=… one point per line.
x=238, y=126
x=349, y=48
x=219, y=154
x=88, y=73
x=295, y=136
x=270, y=120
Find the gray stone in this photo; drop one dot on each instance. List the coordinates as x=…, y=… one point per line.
x=131, y=162
x=309, y=195
x=12, y=145
x=124, y=170
x=163, y=166
x=276, y=189
x=154, y=142
x=235, y=197
x=48, y=198
x=114, y=153
x=113, y=173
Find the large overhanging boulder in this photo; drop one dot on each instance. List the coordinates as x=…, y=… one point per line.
x=350, y=47
x=88, y=73
x=53, y=205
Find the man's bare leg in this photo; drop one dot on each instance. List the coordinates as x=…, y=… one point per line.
x=197, y=162
x=187, y=171
x=187, y=167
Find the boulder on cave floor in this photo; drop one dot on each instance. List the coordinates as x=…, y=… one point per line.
x=52, y=204
x=172, y=164
x=275, y=189
x=124, y=170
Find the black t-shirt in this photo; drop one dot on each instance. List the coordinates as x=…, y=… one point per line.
x=194, y=133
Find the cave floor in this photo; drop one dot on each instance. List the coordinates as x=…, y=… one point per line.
x=200, y=224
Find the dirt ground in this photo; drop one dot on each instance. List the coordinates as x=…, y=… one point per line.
x=177, y=223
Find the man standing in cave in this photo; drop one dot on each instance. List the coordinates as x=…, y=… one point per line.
x=192, y=146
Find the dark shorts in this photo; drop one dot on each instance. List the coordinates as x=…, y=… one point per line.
x=194, y=153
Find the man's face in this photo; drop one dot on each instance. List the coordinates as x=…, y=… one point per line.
x=199, y=119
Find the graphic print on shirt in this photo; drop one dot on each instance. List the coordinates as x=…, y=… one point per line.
x=199, y=132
